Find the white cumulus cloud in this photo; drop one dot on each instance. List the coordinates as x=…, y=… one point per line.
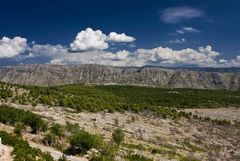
x=169, y=57
x=114, y=37
x=208, y=51
x=12, y=47
x=89, y=40
x=230, y=63
x=223, y=61
x=46, y=50
x=122, y=55
x=203, y=57
x=89, y=45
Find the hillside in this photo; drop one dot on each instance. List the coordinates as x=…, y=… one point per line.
x=119, y=123
x=116, y=97
x=52, y=75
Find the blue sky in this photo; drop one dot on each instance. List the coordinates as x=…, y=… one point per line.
x=167, y=32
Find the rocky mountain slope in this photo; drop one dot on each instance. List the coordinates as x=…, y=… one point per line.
x=50, y=75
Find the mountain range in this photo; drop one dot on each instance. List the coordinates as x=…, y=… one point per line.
x=52, y=75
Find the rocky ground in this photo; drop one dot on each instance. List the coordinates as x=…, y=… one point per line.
x=217, y=113
x=54, y=153
x=31, y=138
x=156, y=138
x=6, y=154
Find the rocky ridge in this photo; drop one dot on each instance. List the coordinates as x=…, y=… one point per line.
x=51, y=75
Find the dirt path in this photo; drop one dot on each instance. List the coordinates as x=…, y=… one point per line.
x=6, y=153
x=55, y=154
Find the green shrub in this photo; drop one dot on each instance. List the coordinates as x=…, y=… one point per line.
x=57, y=130
x=137, y=158
x=101, y=158
x=118, y=136
x=109, y=151
x=18, y=128
x=5, y=92
x=49, y=139
x=84, y=141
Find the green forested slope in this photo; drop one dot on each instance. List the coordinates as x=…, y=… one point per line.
x=118, y=98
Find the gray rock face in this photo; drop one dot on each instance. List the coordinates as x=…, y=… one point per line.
x=51, y=75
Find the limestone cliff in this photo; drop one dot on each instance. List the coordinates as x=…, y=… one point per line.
x=50, y=75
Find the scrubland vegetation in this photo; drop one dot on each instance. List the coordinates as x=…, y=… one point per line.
x=13, y=116
x=79, y=141
x=73, y=140
x=161, y=102
x=5, y=91
x=97, y=98
x=93, y=98
x=21, y=149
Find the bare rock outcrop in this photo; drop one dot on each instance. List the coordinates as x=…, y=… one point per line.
x=50, y=75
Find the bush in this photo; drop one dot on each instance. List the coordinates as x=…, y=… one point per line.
x=18, y=128
x=84, y=141
x=137, y=158
x=118, y=136
x=109, y=151
x=49, y=139
x=101, y=158
x=5, y=93
x=57, y=130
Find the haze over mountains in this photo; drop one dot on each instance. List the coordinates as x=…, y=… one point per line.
x=51, y=75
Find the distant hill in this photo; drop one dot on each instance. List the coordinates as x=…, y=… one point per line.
x=51, y=75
